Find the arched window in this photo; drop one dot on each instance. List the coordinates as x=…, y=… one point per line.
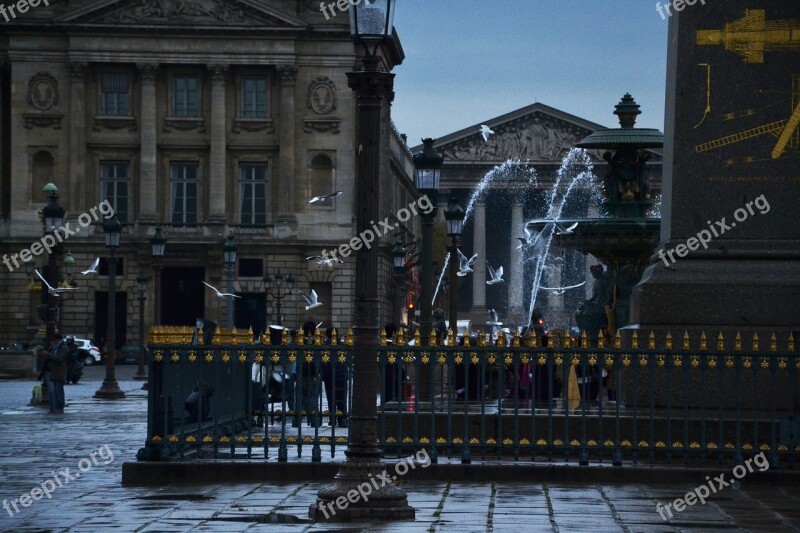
x=321, y=178
x=42, y=169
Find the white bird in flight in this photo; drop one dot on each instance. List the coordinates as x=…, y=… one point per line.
x=496, y=275
x=562, y=290
x=465, y=266
x=312, y=300
x=51, y=290
x=324, y=197
x=92, y=269
x=529, y=239
x=565, y=231
x=325, y=262
x=220, y=294
x=486, y=132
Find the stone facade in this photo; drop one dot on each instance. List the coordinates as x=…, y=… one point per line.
x=204, y=118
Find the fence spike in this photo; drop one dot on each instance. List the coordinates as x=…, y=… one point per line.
x=618, y=340
x=501, y=338
x=298, y=338
x=721, y=342
x=601, y=339
x=466, y=339
x=451, y=338
x=382, y=337
x=756, y=345
x=401, y=338
x=432, y=338
x=318, y=340
x=651, y=340
x=737, y=342
x=348, y=338
x=773, y=343
x=417, y=338
x=635, y=340
x=584, y=340
x=285, y=337
x=334, y=337
x=481, y=339
x=515, y=340
x=790, y=347
x=686, y=341
x=703, y=341
x=668, y=340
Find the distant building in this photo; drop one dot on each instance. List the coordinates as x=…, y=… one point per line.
x=204, y=118
x=538, y=136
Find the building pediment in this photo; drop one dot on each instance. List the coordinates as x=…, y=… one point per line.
x=193, y=13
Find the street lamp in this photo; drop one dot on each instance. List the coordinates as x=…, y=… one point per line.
x=277, y=293
x=158, y=244
x=399, y=257
x=109, y=390
x=53, y=215
x=371, y=24
x=454, y=217
x=67, y=282
x=229, y=251
x=141, y=285
x=427, y=173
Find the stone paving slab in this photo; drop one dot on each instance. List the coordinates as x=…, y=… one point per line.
x=34, y=445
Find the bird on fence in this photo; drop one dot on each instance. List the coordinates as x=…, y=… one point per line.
x=324, y=197
x=465, y=266
x=312, y=300
x=494, y=320
x=496, y=275
x=220, y=294
x=51, y=290
x=92, y=269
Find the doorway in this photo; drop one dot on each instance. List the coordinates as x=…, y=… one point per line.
x=182, y=295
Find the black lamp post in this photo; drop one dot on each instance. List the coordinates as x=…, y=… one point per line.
x=454, y=216
x=427, y=173
x=141, y=286
x=273, y=286
x=67, y=282
x=158, y=243
x=399, y=258
x=53, y=215
x=229, y=251
x=371, y=24
x=110, y=390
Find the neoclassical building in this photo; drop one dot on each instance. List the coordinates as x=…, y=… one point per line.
x=537, y=136
x=204, y=118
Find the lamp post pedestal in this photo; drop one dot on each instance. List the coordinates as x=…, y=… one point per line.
x=363, y=463
x=141, y=372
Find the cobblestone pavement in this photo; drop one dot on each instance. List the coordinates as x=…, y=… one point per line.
x=36, y=447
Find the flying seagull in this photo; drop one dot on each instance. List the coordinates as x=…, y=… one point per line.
x=486, y=132
x=325, y=262
x=51, y=290
x=312, y=300
x=324, y=197
x=496, y=275
x=92, y=269
x=465, y=266
x=220, y=294
x=529, y=239
x=319, y=325
x=562, y=290
x=565, y=231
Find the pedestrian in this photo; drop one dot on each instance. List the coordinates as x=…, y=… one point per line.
x=56, y=373
x=334, y=376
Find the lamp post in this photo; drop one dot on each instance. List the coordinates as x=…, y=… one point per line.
x=229, y=251
x=399, y=257
x=158, y=244
x=110, y=390
x=454, y=216
x=427, y=173
x=53, y=215
x=141, y=285
x=371, y=24
x=277, y=292
x=67, y=282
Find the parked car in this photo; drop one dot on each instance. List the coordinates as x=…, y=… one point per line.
x=90, y=354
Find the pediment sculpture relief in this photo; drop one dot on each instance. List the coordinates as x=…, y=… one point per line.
x=193, y=11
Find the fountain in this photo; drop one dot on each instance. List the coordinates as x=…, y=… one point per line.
x=624, y=240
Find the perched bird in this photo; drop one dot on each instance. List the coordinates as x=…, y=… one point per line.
x=324, y=197
x=325, y=262
x=493, y=318
x=92, y=269
x=220, y=294
x=496, y=275
x=565, y=231
x=51, y=290
x=312, y=300
x=562, y=290
x=465, y=266
x=486, y=132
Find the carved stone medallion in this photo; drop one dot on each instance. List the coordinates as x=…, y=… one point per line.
x=322, y=96
x=43, y=91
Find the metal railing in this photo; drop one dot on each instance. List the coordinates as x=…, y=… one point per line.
x=513, y=400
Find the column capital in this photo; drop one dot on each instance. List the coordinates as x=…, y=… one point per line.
x=288, y=74
x=218, y=73
x=147, y=71
x=77, y=70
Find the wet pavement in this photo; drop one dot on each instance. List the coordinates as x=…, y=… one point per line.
x=94, y=437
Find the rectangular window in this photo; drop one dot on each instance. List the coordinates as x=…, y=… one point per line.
x=185, y=96
x=254, y=98
x=253, y=193
x=114, y=186
x=115, y=94
x=183, y=192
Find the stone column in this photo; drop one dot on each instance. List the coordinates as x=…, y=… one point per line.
x=516, y=270
x=478, y=312
x=147, y=151
x=286, y=167
x=217, y=176
x=77, y=140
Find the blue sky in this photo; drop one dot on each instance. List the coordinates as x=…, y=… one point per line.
x=468, y=61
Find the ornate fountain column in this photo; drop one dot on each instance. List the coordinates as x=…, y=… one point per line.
x=516, y=270
x=147, y=150
x=217, y=181
x=478, y=312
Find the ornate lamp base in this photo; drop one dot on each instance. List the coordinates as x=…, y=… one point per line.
x=109, y=390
